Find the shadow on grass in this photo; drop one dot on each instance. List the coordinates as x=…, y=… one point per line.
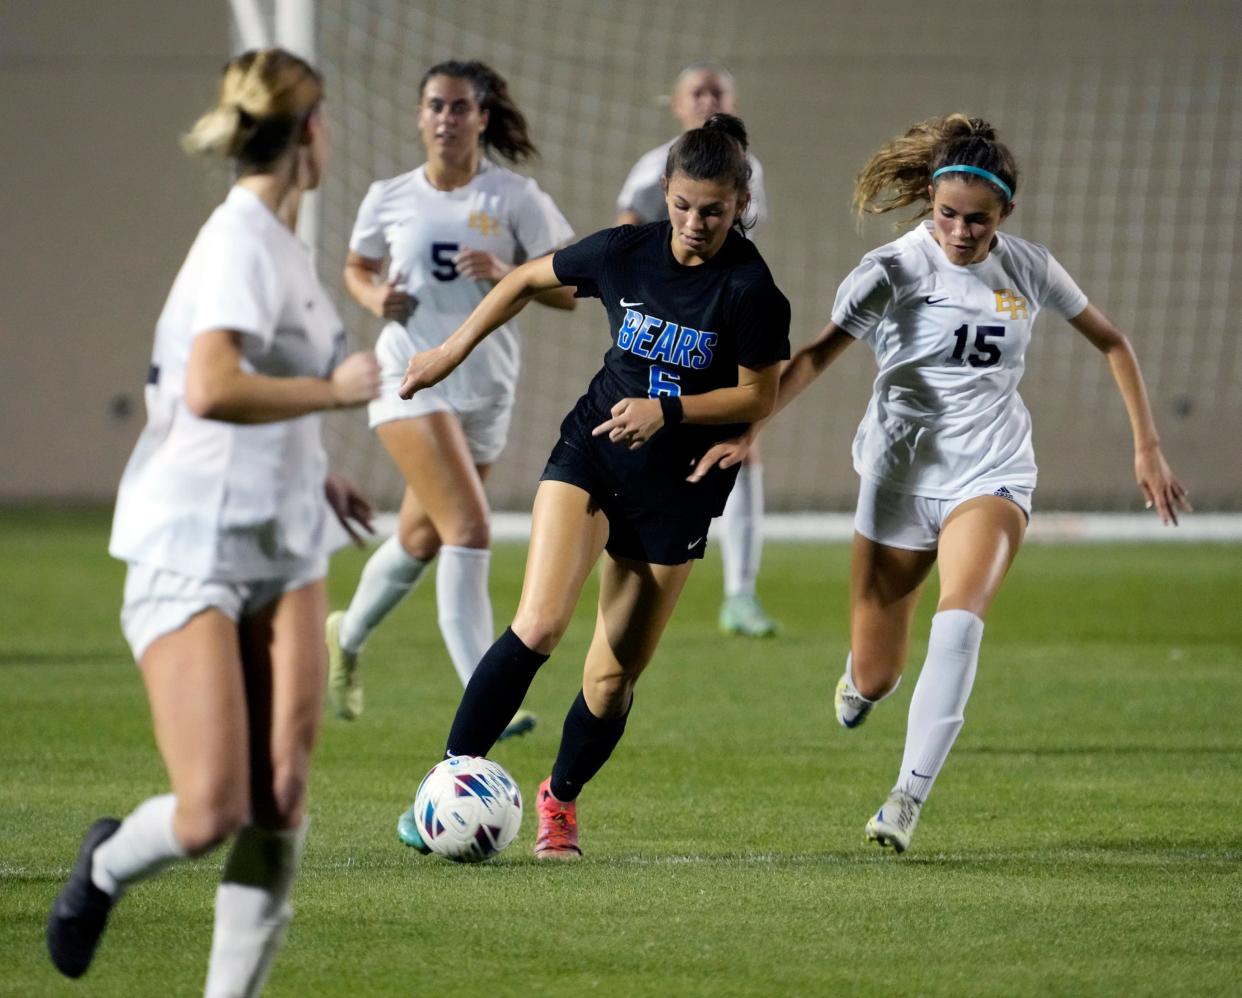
x=75, y=657
x=1220, y=748
x=1204, y=856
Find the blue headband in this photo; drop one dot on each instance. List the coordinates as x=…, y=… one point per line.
x=978, y=171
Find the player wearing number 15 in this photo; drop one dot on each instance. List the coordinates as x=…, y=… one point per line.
x=450, y=230
x=698, y=327
x=944, y=450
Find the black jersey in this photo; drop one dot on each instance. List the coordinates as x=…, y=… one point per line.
x=676, y=330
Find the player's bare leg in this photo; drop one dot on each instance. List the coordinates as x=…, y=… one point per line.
x=285, y=663
x=636, y=601
x=444, y=512
x=194, y=684
x=568, y=533
x=885, y=584
x=978, y=543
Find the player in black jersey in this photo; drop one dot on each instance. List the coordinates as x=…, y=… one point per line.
x=698, y=328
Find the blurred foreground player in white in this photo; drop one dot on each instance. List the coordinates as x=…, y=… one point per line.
x=698, y=332
x=225, y=517
x=700, y=90
x=450, y=230
x=944, y=450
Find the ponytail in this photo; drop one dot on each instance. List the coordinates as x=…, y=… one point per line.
x=507, y=132
x=902, y=172
x=265, y=97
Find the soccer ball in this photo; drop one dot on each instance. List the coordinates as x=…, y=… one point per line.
x=468, y=809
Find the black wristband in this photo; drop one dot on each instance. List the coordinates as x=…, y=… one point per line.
x=670, y=405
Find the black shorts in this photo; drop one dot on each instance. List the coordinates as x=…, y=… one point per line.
x=653, y=516
x=636, y=534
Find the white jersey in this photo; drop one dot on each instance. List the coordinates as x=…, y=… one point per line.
x=222, y=501
x=945, y=416
x=420, y=229
x=643, y=194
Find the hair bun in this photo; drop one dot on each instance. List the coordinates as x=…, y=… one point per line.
x=982, y=129
x=729, y=124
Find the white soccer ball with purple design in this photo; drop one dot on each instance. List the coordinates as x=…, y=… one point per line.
x=468, y=809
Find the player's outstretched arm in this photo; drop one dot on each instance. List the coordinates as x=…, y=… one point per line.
x=217, y=387
x=512, y=294
x=480, y=265
x=1157, y=483
x=807, y=364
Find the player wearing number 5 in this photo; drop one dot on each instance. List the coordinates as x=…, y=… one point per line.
x=450, y=230
x=698, y=327
x=944, y=450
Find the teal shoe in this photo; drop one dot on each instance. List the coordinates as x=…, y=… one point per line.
x=742, y=615
x=523, y=721
x=407, y=831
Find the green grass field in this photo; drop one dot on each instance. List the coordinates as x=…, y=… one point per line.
x=1083, y=839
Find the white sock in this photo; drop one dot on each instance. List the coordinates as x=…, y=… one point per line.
x=940, y=695
x=143, y=845
x=252, y=909
x=464, y=606
x=741, y=532
x=390, y=574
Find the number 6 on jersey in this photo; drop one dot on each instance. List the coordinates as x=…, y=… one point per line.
x=661, y=382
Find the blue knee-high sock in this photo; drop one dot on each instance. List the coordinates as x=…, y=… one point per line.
x=586, y=743
x=493, y=695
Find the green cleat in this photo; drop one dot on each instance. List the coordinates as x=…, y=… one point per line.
x=523, y=721
x=407, y=831
x=344, y=682
x=742, y=615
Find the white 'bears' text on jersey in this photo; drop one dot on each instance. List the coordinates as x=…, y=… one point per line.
x=945, y=416
x=643, y=193
x=420, y=228
x=223, y=501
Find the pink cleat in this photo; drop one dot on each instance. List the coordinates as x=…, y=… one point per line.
x=558, y=826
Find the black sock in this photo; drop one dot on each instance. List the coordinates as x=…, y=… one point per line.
x=493, y=695
x=586, y=743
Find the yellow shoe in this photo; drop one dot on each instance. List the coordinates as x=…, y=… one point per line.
x=344, y=681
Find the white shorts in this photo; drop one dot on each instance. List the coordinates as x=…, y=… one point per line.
x=901, y=520
x=486, y=425
x=158, y=602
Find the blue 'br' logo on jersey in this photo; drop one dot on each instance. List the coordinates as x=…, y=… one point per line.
x=655, y=339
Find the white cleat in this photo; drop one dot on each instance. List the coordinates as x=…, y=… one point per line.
x=852, y=707
x=893, y=825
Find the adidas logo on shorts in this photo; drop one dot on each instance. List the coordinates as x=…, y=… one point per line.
x=1003, y=492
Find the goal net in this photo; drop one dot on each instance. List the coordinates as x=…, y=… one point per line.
x=1126, y=121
